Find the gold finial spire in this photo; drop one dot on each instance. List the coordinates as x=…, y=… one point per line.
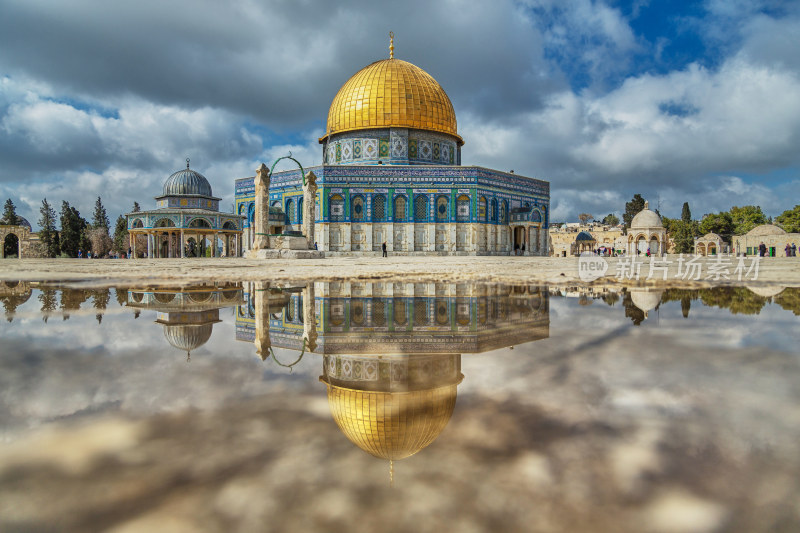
x=391, y=45
x=187, y=162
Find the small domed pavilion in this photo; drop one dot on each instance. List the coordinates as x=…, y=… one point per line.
x=584, y=242
x=187, y=221
x=709, y=244
x=647, y=232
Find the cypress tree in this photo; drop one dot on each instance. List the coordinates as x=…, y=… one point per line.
x=100, y=218
x=48, y=233
x=121, y=235
x=686, y=214
x=73, y=234
x=10, y=214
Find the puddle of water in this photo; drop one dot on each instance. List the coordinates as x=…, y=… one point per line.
x=328, y=406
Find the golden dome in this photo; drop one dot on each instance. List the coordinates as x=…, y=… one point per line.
x=392, y=425
x=391, y=93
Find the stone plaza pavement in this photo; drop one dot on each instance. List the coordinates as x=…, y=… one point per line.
x=672, y=270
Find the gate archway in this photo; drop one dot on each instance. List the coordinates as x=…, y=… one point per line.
x=11, y=246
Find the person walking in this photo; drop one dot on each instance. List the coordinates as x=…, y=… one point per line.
x=788, y=250
x=762, y=249
x=794, y=250
x=383, y=247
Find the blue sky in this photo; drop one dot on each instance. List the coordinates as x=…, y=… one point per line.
x=679, y=101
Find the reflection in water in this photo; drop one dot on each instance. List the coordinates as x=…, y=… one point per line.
x=600, y=426
x=187, y=314
x=392, y=406
x=640, y=302
x=391, y=352
x=12, y=295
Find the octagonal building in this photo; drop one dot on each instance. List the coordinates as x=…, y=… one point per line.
x=391, y=173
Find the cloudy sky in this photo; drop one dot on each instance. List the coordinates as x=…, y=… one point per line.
x=678, y=101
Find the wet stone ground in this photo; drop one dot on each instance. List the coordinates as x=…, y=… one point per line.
x=579, y=410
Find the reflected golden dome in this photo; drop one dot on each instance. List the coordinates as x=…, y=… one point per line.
x=392, y=425
x=391, y=93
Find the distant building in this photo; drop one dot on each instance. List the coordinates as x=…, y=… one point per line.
x=773, y=237
x=19, y=241
x=564, y=241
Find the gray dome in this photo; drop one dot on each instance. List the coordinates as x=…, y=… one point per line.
x=186, y=337
x=584, y=236
x=187, y=181
x=24, y=222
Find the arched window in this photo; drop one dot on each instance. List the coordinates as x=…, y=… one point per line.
x=251, y=214
x=336, y=312
x=378, y=208
x=442, y=314
x=300, y=211
x=199, y=223
x=462, y=208
x=357, y=312
x=399, y=307
x=337, y=208
x=441, y=208
x=378, y=307
x=420, y=312
x=421, y=208
x=399, y=208
x=289, y=211
x=482, y=209
x=357, y=208
x=503, y=212
x=493, y=214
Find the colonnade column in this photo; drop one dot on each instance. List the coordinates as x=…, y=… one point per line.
x=183, y=248
x=524, y=231
x=262, y=340
x=149, y=245
x=309, y=208
x=309, y=317
x=262, y=207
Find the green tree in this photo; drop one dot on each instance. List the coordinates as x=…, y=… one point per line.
x=686, y=213
x=670, y=224
x=48, y=234
x=789, y=220
x=632, y=208
x=136, y=207
x=120, y=235
x=100, y=218
x=746, y=218
x=611, y=219
x=585, y=217
x=73, y=234
x=49, y=302
x=10, y=217
x=719, y=223
x=683, y=237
